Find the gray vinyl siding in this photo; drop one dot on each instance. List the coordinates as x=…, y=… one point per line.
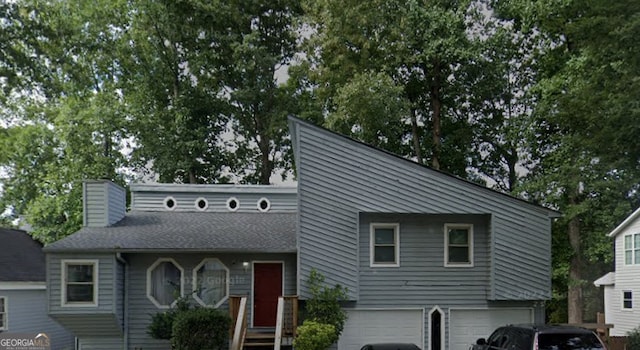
x=339, y=178
x=101, y=343
x=100, y=319
x=104, y=203
x=95, y=212
x=217, y=202
x=27, y=313
x=422, y=277
x=140, y=308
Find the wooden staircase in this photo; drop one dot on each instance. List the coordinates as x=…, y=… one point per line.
x=243, y=338
x=259, y=338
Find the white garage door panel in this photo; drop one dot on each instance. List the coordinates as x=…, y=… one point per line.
x=466, y=326
x=381, y=326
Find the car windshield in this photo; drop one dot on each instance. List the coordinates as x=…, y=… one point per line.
x=560, y=341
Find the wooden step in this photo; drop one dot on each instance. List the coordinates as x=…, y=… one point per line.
x=259, y=339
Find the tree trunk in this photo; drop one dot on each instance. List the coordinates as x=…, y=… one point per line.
x=415, y=136
x=574, y=295
x=436, y=109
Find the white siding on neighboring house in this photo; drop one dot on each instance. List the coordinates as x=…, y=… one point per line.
x=627, y=279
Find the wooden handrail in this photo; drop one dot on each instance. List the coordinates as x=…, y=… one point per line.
x=279, y=324
x=238, y=310
x=290, y=325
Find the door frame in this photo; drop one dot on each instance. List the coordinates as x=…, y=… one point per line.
x=253, y=273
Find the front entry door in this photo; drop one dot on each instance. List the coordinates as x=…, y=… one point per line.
x=267, y=287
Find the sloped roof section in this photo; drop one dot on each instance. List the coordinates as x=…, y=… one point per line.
x=607, y=280
x=21, y=257
x=189, y=231
x=630, y=219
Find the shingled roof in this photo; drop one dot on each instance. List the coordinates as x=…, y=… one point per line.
x=21, y=257
x=191, y=231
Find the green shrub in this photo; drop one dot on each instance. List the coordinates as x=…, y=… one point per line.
x=200, y=329
x=314, y=336
x=324, y=304
x=633, y=339
x=161, y=326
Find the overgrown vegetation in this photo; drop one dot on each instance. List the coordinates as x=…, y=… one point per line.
x=324, y=307
x=191, y=328
x=633, y=339
x=314, y=335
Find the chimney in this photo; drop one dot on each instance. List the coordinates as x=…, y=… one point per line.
x=103, y=203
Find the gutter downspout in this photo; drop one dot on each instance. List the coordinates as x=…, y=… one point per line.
x=125, y=302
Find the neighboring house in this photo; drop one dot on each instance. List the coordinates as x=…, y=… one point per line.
x=23, y=303
x=426, y=257
x=622, y=287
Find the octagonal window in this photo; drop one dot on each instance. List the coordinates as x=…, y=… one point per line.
x=164, y=282
x=211, y=282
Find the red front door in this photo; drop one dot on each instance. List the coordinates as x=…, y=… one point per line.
x=267, y=287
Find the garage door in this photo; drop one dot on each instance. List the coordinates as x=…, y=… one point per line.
x=466, y=326
x=381, y=326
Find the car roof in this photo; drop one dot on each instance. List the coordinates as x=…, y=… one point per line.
x=391, y=346
x=553, y=328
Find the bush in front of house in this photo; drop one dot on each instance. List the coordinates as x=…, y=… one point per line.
x=161, y=326
x=200, y=329
x=314, y=335
x=633, y=339
x=324, y=305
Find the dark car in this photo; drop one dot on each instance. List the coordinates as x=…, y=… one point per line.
x=390, y=346
x=540, y=337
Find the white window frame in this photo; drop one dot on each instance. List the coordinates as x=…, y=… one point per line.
x=469, y=228
x=372, y=244
x=63, y=297
x=195, y=283
x=623, y=299
x=4, y=315
x=633, y=251
x=151, y=268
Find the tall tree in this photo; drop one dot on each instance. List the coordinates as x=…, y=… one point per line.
x=174, y=87
x=261, y=105
x=420, y=47
x=586, y=101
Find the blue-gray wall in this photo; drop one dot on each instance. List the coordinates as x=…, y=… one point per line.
x=140, y=308
x=339, y=178
x=100, y=320
x=27, y=313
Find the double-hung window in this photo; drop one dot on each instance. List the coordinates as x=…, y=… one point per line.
x=632, y=249
x=3, y=314
x=627, y=300
x=80, y=282
x=385, y=245
x=458, y=242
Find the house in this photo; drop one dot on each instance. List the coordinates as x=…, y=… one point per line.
x=622, y=287
x=23, y=306
x=426, y=257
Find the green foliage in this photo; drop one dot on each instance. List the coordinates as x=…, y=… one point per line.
x=200, y=329
x=161, y=325
x=633, y=339
x=324, y=305
x=314, y=335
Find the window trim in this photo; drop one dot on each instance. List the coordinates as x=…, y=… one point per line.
x=195, y=283
x=632, y=251
x=63, y=295
x=442, y=325
x=448, y=226
x=396, y=236
x=151, y=268
x=623, y=299
x=4, y=315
